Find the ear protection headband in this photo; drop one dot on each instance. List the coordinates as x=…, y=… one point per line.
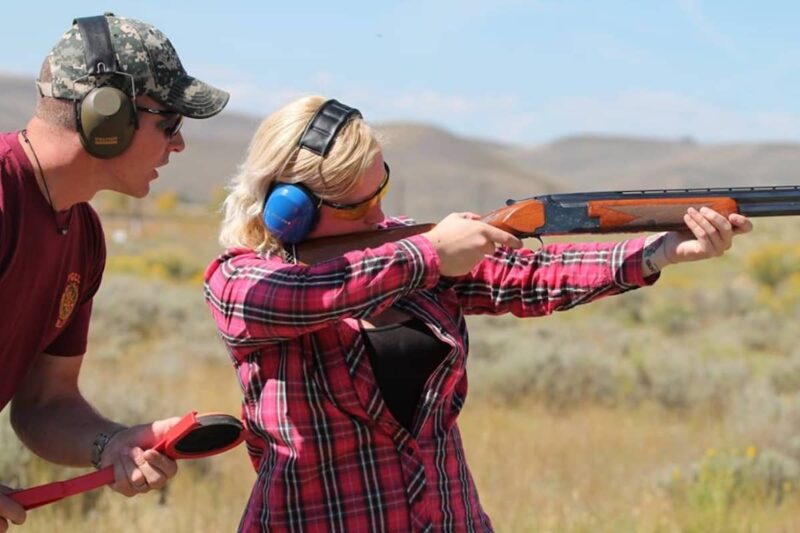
x=291, y=209
x=105, y=116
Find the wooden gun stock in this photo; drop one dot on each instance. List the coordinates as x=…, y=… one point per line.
x=317, y=250
x=521, y=218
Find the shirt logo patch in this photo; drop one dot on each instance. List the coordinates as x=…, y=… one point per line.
x=68, y=299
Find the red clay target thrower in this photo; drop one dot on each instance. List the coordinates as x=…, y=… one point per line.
x=194, y=436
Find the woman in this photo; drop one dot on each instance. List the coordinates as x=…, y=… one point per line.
x=353, y=369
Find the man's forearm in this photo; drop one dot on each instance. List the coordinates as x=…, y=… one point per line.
x=61, y=430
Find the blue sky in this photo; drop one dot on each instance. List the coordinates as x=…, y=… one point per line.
x=510, y=70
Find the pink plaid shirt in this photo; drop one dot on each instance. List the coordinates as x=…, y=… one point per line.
x=329, y=455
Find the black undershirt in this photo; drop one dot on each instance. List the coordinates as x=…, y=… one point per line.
x=403, y=356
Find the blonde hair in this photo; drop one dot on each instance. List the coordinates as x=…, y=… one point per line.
x=273, y=156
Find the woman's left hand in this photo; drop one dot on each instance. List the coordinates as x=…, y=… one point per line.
x=710, y=234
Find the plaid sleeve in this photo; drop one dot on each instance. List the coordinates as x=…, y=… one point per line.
x=554, y=278
x=255, y=299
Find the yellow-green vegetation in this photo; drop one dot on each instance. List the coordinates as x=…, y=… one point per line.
x=724, y=489
x=166, y=202
x=670, y=409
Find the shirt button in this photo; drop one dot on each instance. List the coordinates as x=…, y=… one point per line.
x=409, y=450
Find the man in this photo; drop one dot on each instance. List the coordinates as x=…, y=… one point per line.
x=112, y=94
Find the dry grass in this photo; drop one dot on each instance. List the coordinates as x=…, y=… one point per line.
x=595, y=460
x=597, y=469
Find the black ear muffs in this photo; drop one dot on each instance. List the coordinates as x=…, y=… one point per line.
x=291, y=210
x=105, y=116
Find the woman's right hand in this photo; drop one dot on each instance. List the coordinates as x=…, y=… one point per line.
x=9, y=510
x=461, y=240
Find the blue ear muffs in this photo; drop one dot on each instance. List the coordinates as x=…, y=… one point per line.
x=290, y=212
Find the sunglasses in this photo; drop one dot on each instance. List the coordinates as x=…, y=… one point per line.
x=170, y=129
x=360, y=209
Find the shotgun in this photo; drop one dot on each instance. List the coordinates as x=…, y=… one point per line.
x=586, y=213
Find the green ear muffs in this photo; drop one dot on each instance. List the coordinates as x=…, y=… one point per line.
x=105, y=116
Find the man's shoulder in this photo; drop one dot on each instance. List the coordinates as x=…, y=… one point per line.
x=89, y=211
x=7, y=138
x=92, y=228
x=10, y=169
x=10, y=165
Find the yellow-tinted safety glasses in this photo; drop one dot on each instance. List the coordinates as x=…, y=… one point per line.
x=360, y=209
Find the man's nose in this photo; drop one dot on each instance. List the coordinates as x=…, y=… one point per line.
x=177, y=143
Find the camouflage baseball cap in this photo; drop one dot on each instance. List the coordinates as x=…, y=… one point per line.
x=146, y=54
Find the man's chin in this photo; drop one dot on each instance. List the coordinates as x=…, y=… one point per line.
x=144, y=191
x=139, y=193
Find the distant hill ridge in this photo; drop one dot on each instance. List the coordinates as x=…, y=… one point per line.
x=435, y=171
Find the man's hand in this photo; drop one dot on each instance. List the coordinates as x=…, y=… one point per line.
x=709, y=235
x=9, y=510
x=138, y=469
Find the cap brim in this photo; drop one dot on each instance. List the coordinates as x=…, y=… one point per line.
x=196, y=99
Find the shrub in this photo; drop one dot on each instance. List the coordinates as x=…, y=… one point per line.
x=130, y=311
x=559, y=376
x=169, y=264
x=772, y=264
x=785, y=376
x=680, y=380
x=722, y=479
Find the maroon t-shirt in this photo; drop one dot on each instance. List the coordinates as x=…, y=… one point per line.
x=47, y=280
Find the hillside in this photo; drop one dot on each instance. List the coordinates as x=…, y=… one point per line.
x=435, y=171
x=594, y=163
